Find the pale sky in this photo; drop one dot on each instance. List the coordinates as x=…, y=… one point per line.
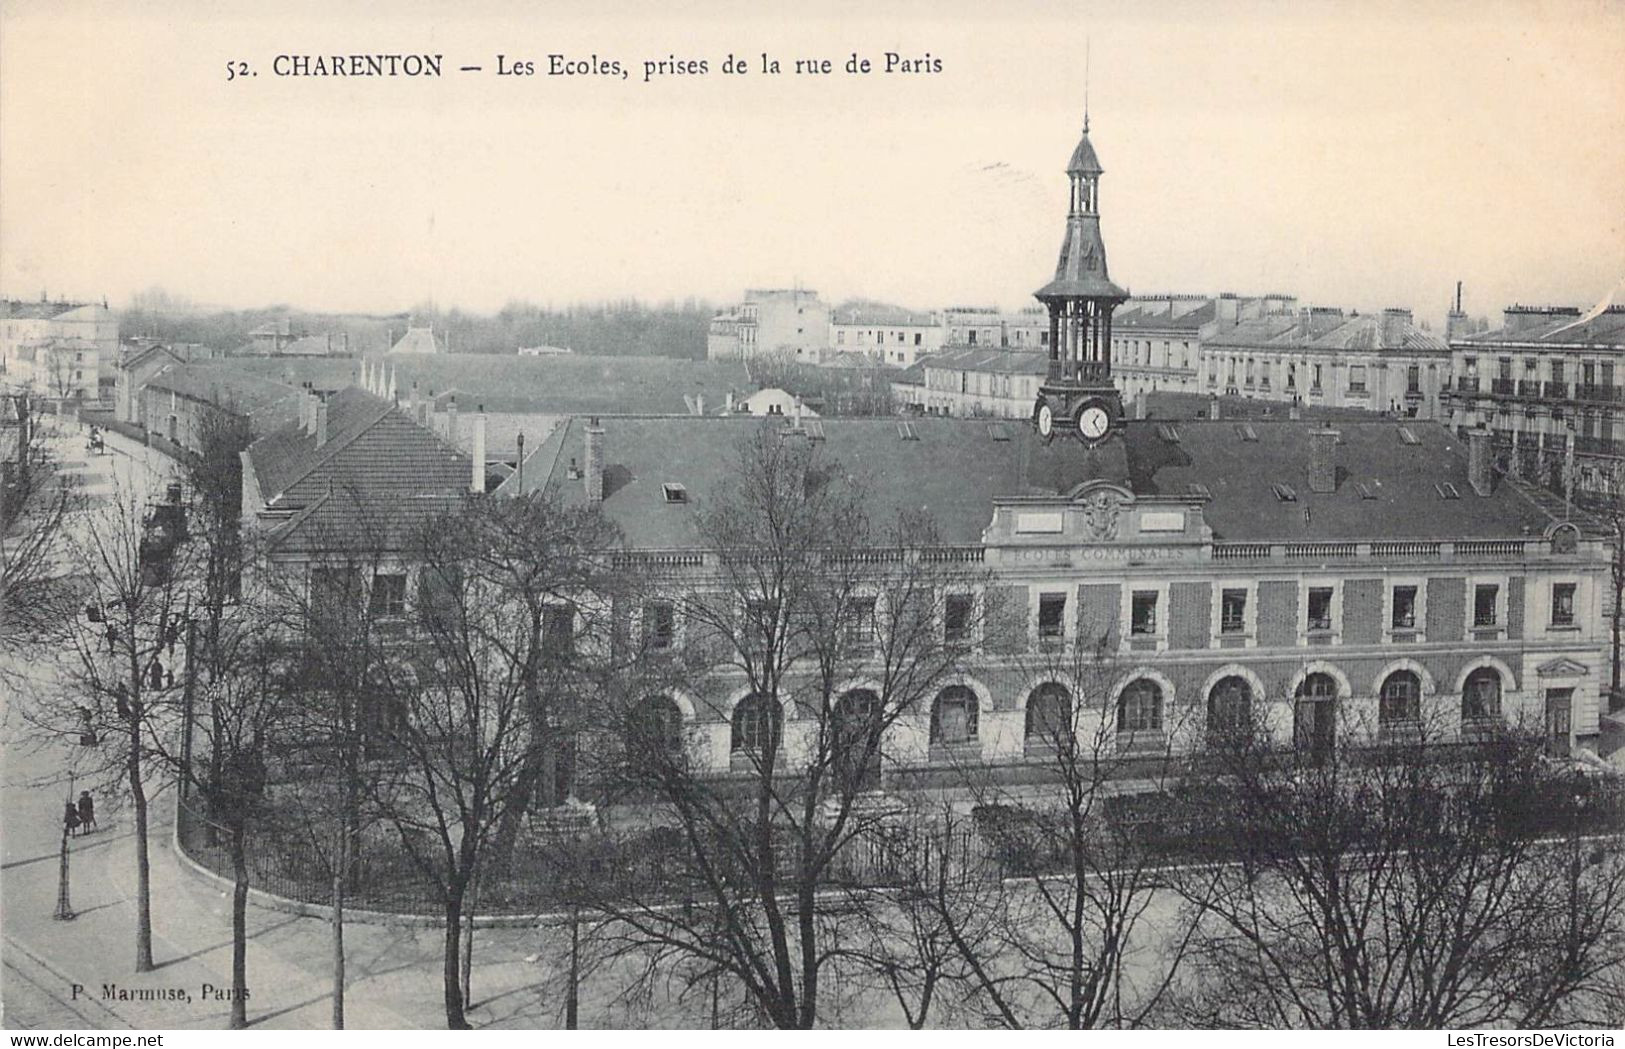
x=1358, y=154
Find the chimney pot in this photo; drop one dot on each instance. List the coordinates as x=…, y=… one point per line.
x=1213, y=408
x=320, y=426
x=1480, y=453
x=1323, y=461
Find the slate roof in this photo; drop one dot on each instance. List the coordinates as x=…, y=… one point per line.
x=417, y=340
x=1141, y=317
x=18, y=310
x=1558, y=327
x=265, y=402
x=1081, y=270
x=1084, y=161
x=378, y=470
x=881, y=314
x=1327, y=331
x=956, y=468
x=566, y=384
x=913, y=375
x=997, y=362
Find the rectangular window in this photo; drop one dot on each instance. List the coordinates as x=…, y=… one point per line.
x=389, y=594
x=558, y=631
x=1563, y=604
x=1557, y=370
x=1413, y=379
x=335, y=593
x=1233, y=612
x=1315, y=380
x=956, y=614
x=1356, y=378
x=1320, y=608
x=1484, y=601
x=860, y=622
x=1143, y=612
x=1404, y=614
x=1051, y=615
x=659, y=625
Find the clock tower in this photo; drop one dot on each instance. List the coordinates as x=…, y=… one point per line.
x=1078, y=395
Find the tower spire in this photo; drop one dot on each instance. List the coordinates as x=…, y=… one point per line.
x=1085, y=85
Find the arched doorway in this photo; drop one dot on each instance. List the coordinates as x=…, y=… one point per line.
x=1314, y=722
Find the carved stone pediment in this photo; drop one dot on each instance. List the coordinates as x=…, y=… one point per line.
x=1562, y=666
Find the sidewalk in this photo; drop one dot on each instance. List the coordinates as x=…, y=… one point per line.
x=393, y=972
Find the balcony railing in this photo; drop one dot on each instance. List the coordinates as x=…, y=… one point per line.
x=1467, y=384
x=1404, y=549
x=1528, y=388
x=1558, y=391
x=1606, y=394
x=1502, y=387
x=1597, y=446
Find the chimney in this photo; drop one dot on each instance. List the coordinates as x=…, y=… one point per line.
x=1479, y=457
x=320, y=426
x=1227, y=309
x=699, y=401
x=728, y=403
x=1213, y=408
x=1394, y=323
x=451, y=419
x=304, y=409
x=594, y=468
x=477, y=482
x=1323, y=461
x=312, y=399
x=1139, y=406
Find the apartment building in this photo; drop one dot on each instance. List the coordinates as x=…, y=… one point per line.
x=1548, y=383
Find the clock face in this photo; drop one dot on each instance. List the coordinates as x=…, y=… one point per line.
x=1046, y=420
x=1093, y=422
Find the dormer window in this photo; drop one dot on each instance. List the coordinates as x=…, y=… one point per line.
x=675, y=493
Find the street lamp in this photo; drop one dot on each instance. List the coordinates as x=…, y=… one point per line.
x=64, y=904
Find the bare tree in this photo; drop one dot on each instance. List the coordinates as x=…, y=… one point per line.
x=506, y=591
x=1084, y=937
x=37, y=501
x=1416, y=883
x=823, y=622
x=121, y=673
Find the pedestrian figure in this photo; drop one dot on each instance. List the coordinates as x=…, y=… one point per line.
x=70, y=819
x=87, y=812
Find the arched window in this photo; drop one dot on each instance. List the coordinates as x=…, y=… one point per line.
x=857, y=725
x=1139, y=712
x=1049, y=715
x=757, y=721
x=656, y=729
x=1314, y=716
x=953, y=717
x=1229, y=711
x=1400, y=701
x=1481, y=696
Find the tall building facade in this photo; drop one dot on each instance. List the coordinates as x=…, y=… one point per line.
x=1550, y=384
x=792, y=323
x=1342, y=587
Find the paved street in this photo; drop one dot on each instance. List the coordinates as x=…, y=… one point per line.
x=394, y=972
